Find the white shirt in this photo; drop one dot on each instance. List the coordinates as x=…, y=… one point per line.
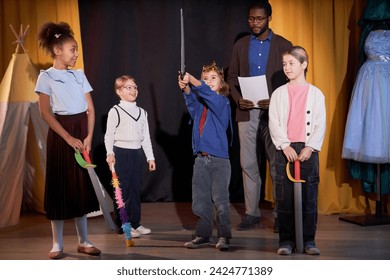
x=127, y=127
x=66, y=88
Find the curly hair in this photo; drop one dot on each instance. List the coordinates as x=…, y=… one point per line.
x=54, y=34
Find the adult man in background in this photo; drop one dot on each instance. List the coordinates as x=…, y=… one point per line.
x=259, y=53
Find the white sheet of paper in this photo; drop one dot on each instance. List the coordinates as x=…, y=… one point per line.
x=254, y=88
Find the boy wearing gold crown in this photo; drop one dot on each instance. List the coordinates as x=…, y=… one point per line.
x=210, y=111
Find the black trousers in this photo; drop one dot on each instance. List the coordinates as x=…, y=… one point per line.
x=128, y=167
x=285, y=197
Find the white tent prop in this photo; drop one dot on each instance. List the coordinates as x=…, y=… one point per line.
x=22, y=139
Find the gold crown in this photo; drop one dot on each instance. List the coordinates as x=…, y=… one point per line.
x=213, y=66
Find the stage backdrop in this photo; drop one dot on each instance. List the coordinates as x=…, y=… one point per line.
x=142, y=38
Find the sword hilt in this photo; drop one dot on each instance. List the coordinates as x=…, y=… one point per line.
x=297, y=172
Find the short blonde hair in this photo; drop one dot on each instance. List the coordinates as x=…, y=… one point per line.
x=120, y=81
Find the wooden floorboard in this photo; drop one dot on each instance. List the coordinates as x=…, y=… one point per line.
x=172, y=225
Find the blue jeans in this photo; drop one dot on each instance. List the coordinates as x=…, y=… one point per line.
x=285, y=197
x=210, y=190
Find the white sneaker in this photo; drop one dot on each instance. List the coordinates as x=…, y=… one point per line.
x=143, y=230
x=135, y=233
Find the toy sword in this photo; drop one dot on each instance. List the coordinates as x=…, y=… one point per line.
x=126, y=225
x=101, y=195
x=297, y=203
x=182, y=48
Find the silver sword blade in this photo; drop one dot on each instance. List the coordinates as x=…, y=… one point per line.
x=102, y=197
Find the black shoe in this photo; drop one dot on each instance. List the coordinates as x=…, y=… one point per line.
x=276, y=226
x=248, y=222
x=197, y=241
x=223, y=244
x=119, y=230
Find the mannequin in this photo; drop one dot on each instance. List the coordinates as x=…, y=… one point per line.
x=367, y=132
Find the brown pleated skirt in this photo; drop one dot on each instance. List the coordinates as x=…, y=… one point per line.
x=69, y=192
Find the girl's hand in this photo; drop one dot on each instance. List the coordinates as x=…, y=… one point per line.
x=290, y=154
x=305, y=154
x=152, y=165
x=75, y=143
x=87, y=144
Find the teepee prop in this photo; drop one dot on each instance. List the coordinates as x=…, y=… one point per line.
x=126, y=226
x=22, y=138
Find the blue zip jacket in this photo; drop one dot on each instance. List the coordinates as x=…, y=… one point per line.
x=214, y=138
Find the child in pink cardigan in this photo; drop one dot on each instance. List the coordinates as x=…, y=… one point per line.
x=297, y=122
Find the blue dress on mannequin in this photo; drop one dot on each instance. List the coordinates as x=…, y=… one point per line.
x=367, y=132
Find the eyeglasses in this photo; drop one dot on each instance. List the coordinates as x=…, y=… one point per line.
x=258, y=19
x=129, y=88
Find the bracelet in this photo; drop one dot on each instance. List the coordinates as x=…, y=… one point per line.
x=111, y=154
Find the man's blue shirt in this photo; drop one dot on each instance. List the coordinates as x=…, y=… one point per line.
x=258, y=55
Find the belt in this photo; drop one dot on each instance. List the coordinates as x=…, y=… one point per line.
x=383, y=58
x=203, y=154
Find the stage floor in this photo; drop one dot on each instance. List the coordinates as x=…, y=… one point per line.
x=172, y=225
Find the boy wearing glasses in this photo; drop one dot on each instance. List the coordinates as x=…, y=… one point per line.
x=259, y=53
x=126, y=136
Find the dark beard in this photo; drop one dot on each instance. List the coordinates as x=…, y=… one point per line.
x=260, y=33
